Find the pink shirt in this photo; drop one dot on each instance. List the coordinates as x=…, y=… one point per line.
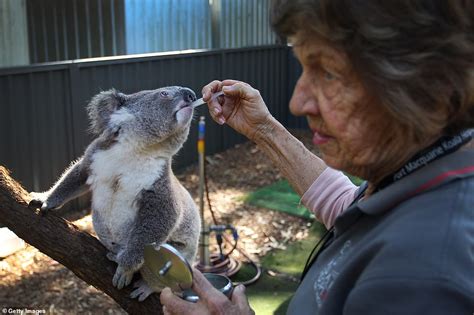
x=330, y=194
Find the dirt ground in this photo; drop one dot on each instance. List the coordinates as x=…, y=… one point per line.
x=30, y=279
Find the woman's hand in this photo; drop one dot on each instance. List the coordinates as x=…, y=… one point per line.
x=242, y=107
x=211, y=301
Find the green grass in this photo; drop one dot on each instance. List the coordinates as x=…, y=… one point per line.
x=279, y=196
x=291, y=261
x=271, y=294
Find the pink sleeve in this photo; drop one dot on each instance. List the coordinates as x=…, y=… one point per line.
x=330, y=194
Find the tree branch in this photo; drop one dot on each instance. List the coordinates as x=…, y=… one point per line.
x=61, y=240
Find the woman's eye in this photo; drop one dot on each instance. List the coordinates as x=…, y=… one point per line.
x=328, y=76
x=164, y=94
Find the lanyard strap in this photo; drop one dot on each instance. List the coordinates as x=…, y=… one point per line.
x=324, y=241
x=443, y=146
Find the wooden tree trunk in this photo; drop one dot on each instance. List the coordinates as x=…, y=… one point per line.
x=61, y=240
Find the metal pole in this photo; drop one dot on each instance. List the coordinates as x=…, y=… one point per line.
x=204, y=241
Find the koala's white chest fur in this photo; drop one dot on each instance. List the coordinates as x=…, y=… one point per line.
x=117, y=176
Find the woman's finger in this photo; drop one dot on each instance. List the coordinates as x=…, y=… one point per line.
x=209, y=89
x=206, y=290
x=173, y=304
x=215, y=110
x=240, y=299
x=230, y=82
x=240, y=90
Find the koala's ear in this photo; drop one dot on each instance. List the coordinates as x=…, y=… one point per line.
x=101, y=107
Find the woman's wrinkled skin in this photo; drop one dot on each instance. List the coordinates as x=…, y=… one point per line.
x=352, y=132
x=211, y=301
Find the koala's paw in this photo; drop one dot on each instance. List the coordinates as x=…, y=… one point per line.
x=142, y=290
x=40, y=201
x=122, y=277
x=112, y=257
x=35, y=204
x=37, y=199
x=129, y=262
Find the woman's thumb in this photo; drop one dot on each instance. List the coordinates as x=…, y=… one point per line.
x=238, y=295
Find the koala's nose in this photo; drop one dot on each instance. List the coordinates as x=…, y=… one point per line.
x=188, y=95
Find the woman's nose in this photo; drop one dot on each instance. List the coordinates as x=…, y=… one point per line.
x=304, y=101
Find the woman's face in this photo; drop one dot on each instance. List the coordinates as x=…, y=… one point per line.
x=348, y=126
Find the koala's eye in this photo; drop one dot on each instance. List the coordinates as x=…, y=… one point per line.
x=164, y=94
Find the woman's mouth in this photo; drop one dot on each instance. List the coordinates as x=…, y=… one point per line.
x=320, y=138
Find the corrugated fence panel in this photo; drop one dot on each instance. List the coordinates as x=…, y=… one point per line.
x=74, y=29
x=37, y=141
x=166, y=25
x=245, y=23
x=13, y=33
x=43, y=120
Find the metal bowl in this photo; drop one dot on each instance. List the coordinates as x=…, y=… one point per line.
x=220, y=282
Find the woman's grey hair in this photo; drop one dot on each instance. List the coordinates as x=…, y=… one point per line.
x=415, y=56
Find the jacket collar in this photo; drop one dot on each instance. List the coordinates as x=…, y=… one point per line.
x=459, y=164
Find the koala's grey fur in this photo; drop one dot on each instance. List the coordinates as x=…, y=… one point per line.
x=136, y=199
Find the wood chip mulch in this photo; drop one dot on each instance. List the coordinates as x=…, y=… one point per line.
x=30, y=279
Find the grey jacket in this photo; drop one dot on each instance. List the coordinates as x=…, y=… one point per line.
x=408, y=249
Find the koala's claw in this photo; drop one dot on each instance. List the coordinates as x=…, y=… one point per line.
x=41, y=205
x=42, y=202
x=122, y=278
x=142, y=290
x=35, y=204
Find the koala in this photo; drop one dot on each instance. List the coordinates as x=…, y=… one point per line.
x=136, y=199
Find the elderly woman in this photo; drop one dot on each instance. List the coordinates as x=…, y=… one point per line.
x=388, y=91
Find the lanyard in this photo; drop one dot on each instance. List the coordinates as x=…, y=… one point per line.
x=443, y=146
x=328, y=236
